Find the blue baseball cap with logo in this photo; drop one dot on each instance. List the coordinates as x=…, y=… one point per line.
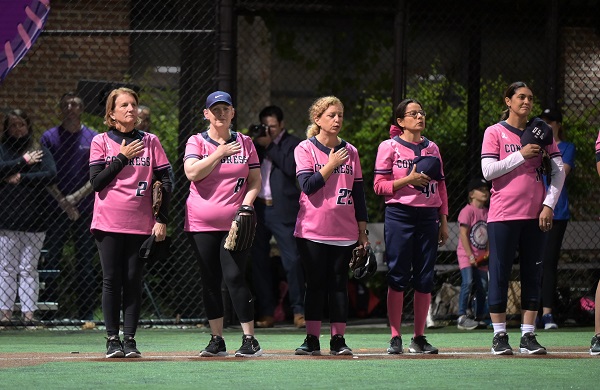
x=218, y=97
x=537, y=132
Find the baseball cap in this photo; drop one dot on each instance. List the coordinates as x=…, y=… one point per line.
x=429, y=165
x=218, y=97
x=552, y=115
x=152, y=250
x=477, y=182
x=537, y=132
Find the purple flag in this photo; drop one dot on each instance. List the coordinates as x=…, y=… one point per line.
x=21, y=21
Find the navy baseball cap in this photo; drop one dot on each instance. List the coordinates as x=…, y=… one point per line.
x=218, y=97
x=551, y=115
x=476, y=183
x=429, y=165
x=537, y=132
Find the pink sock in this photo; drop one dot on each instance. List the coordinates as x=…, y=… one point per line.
x=395, y=304
x=421, y=306
x=338, y=328
x=313, y=328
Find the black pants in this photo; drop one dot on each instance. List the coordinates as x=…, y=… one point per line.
x=218, y=264
x=550, y=264
x=326, y=274
x=122, y=276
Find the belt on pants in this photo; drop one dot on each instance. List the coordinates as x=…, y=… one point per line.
x=268, y=202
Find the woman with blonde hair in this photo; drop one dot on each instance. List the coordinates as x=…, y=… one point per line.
x=331, y=222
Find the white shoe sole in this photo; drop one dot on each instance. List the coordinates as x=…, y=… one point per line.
x=540, y=351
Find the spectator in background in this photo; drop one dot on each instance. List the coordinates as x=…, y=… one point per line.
x=145, y=118
x=559, y=220
x=26, y=168
x=276, y=209
x=473, y=245
x=71, y=214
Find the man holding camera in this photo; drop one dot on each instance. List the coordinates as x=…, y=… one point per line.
x=276, y=209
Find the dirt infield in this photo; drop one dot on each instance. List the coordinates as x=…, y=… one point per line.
x=12, y=360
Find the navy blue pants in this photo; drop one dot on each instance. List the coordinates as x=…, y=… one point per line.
x=411, y=242
x=270, y=224
x=506, y=238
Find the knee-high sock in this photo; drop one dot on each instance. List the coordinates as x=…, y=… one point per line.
x=421, y=306
x=338, y=328
x=313, y=328
x=395, y=304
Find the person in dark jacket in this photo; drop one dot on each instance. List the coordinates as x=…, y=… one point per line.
x=276, y=209
x=26, y=169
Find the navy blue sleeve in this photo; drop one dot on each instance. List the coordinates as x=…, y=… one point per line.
x=311, y=182
x=360, y=203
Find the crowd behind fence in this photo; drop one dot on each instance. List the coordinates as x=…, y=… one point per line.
x=455, y=57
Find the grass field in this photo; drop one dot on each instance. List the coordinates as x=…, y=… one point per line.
x=57, y=359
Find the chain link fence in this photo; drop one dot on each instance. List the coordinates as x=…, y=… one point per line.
x=456, y=58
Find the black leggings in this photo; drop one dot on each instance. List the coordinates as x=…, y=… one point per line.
x=326, y=273
x=122, y=276
x=217, y=264
x=551, y=256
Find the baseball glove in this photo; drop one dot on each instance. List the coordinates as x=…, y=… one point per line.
x=243, y=228
x=546, y=166
x=482, y=260
x=156, y=197
x=363, y=263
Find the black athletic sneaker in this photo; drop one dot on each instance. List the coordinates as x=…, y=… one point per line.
x=595, y=347
x=395, y=346
x=338, y=346
x=311, y=346
x=529, y=345
x=130, y=349
x=419, y=344
x=249, y=348
x=114, y=349
x=500, y=345
x=215, y=347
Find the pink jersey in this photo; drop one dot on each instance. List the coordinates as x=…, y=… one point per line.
x=476, y=220
x=214, y=200
x=598, y=147
x=125, y=205
x=518, y=194
x=327, y=214
x=395, y=161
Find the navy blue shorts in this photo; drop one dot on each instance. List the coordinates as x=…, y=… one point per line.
x=411, y=243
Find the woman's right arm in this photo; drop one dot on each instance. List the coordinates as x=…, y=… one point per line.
x=197, y=169
x=102, y=175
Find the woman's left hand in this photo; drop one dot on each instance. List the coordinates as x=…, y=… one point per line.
x=443, y=234
x=546, y=219
x=363, y=239
x=160, y=231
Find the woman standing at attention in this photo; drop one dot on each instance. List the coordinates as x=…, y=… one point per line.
x=521, y=211
x=122, y=163
x=409, y=174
